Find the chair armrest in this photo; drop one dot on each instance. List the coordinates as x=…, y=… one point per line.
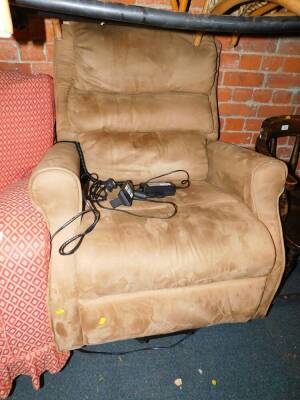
x=55, y=187
x=258, y=181
x=55, y=190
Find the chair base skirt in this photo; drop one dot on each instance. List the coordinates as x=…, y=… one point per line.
x=142, y=314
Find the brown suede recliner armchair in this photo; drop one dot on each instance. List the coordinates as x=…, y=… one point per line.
x=142, y=102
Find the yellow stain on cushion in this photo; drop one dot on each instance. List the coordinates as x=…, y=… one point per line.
x=59, y=311
x=102, y=321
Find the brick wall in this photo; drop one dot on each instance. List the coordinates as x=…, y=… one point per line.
x=259, y=78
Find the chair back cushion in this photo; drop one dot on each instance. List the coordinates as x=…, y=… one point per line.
x=113, y=79
x=141, y=156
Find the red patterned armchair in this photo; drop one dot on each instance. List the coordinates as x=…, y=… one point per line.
x=26, y=132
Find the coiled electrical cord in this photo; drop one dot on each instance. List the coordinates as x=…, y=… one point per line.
x=174, y=212
x=80, y=236
x=97, y=193
x=185, y=183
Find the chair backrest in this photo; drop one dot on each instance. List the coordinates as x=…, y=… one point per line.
x=274, y=128
x=116, y=78
x=140, y=101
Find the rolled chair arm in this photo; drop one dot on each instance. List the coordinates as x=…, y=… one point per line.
x=55, y=185
x=258, y=181
x=253, y=177
x=55, y=190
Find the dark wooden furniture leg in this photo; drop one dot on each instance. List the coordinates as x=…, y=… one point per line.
x=289, y=205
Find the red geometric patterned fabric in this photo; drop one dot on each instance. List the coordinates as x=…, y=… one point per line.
x=26, y=341
x=26, y=123
x=26, y=132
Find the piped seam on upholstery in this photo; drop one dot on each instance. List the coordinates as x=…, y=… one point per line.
x=279, y=231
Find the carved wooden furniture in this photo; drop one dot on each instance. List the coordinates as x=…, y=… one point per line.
x=241, y=8
x=273, y=129
x=225, y=5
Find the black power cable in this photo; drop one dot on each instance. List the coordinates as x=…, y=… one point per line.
x=122, y=353
x=142, y=215
x=80, y=236
x=84, y=176
x=185, y=183
x=97, y=193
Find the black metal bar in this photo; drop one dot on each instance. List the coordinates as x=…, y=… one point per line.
x=97, y=10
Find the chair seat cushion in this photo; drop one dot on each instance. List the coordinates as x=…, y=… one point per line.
x=214, y=237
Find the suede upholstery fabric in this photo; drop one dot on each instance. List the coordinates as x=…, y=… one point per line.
x=126, y=79
x=168, y=310
x=139, y=112
x=150, y=63
x=258, y=182
x=220, y=259
x=212, y=238
x=140, y=156
x=55, y=189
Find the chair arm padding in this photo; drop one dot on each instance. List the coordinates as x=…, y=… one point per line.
x=251, y=176
x=55, y=189
x=55, y=185
x=258, y=181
